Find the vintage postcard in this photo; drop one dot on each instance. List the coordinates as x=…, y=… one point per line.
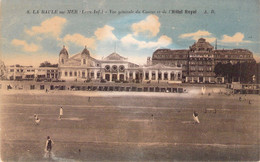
x=130, y=80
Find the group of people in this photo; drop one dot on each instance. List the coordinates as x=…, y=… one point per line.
x=49, y=143
x=37, y=119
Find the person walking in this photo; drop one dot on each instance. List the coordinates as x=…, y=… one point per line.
x=48, y=146
x=196, y=117
x=61, y=113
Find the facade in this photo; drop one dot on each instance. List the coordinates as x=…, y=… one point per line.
x=199, y=60
x=2, y=70
x=113, y=68
x=17, y=72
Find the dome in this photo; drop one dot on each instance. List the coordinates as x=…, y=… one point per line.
x=85, y=51
x=64, y=51
x=201, y=45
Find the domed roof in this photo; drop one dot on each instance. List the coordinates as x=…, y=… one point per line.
x=85, y=51
x=64, y=51
x=201, y=44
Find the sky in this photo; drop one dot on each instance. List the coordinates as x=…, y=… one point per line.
x=34, y=31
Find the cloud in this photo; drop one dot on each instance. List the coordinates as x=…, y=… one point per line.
x=163, y=41
x=26, y=47
x=141, y=60
x=29, y=60
x=80, y=40
x=200, y=33
x=51, y=27
x=236, y=38
x=105, y=33
x=149, y=26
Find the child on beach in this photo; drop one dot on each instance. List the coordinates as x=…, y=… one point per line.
x=36, y=119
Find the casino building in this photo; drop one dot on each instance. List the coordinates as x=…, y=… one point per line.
x=113, y=68
x=199, y=60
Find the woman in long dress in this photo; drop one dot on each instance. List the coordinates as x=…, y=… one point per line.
x=61, y=112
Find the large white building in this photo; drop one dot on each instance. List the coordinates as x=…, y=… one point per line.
x=83, y=66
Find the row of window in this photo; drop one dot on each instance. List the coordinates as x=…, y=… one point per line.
x=21, y=70
x=233, y=56
x=165, y=76
x=171, y=56
x=204, y=56
x=201, y=62
x=82, y=74
x=32, y=70
x=208, y=68
x=114, y=68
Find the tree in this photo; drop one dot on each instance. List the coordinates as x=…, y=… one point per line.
x=218, y=69
x=243, y=71
x=48, y=64
x=248, y=70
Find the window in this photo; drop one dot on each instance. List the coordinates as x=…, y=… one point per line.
x=172, y=76
x=98, y=74
x=66, y=73
x=11, y=70
x=92, y=74
x=70, y=73
x=153, y=75
x=41, y=87
x=75, y=73
x=165, y=76
x=192, y=68
x=159, y=76
x=62, y=61
x=17, y=70
x=179, y=76
x=201, y=68
x=32, y=86
x=146, y=76
x=107, y=68
x=114, y=67
x=130, y=74
x=84, y=61
x=121, y=68
x=83, y=74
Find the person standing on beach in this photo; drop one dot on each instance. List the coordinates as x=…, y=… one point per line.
x=61, y=113
x=48, y=146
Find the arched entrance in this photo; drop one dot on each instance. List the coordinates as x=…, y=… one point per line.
x=114, y=77
x=107, y=77
x=121, y=77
